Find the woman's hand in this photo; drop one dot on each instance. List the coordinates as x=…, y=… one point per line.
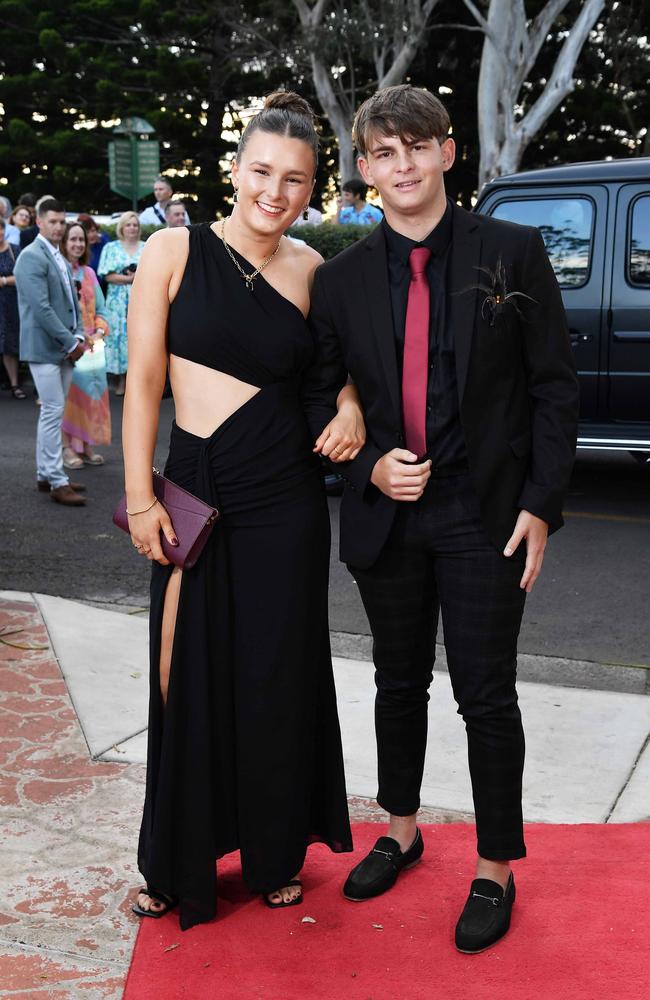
x=344, y=437
x=145, y=531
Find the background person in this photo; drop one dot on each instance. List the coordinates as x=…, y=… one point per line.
x=314, y=217
x=22, y=217
x=9, y=321
x=175, y=214
x=87, y=414
x=352, y=207
x=29, y=234
x=118, y=264
x=97, y=240
x=51, y=339
x=12, y=233
x=155, y=214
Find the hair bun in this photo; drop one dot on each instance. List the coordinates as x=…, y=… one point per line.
x=287, y=100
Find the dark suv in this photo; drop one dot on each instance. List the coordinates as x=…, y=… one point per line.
x=595, y=220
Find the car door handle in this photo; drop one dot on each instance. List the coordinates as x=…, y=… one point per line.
x=580, y=338
x=632, y=336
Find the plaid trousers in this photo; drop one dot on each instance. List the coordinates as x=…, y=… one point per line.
x=438, y=559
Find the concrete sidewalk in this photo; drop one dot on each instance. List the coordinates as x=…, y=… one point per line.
x=72, y=771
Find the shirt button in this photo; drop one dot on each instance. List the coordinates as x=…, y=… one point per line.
x=428, y=409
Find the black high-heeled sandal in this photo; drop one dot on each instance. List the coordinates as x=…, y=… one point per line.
x=169, y=902
x=289, y=902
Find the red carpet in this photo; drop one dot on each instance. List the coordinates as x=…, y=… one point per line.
x=580, y=929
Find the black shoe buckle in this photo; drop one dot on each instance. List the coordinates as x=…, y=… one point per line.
x=387, y=854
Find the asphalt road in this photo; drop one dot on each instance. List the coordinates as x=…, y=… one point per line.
x=591, y=602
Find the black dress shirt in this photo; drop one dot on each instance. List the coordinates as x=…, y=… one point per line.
x=445, y=439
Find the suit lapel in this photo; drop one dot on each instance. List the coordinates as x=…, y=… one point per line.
x=70, y=290
x=379, y=309
x=464, y=276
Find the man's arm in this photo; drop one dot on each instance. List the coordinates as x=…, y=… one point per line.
x=553, y=393
x=31, y=279
x=324, y=380
x=552, y=387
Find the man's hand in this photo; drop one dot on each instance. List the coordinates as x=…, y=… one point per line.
x=535, y=531
x=76, y=354
x=396, y=476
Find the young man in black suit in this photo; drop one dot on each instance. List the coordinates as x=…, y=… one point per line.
x=451, y=325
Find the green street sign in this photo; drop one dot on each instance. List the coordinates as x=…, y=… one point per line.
x=120, y=167
x=133, y=163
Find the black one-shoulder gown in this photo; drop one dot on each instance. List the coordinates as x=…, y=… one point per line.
x=246, y=754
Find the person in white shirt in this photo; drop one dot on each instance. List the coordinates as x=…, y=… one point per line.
x=52, y=338
x=155, y=214
x=314, y=217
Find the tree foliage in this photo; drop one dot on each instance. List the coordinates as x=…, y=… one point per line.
x=71, y=69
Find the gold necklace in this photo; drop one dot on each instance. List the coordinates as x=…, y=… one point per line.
x=248, y=278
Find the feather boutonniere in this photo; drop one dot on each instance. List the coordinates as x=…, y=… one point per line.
x=497, y=293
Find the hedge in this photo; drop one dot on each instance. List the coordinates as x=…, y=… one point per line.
x=328, y=238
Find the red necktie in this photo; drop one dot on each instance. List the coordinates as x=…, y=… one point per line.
x=416, y=354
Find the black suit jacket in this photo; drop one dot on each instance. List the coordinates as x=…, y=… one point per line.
x=517, y=386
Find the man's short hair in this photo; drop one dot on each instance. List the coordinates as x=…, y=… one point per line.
x=49, y=205
x=161, y=179
x=171, y=204
x=356, y=187
x=44, y=197
x=404, y=111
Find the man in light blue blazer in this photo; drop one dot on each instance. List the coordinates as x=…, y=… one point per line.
x=51, y=339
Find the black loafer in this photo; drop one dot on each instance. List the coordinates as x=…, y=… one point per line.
x=486, y=916
x=379, y=870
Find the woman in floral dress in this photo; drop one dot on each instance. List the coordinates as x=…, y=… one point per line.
x=87, y=414
x=117, y=265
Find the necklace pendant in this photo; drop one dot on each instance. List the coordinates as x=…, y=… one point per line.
x=249, y=284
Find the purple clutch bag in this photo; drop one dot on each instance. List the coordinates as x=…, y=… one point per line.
x=193, y=520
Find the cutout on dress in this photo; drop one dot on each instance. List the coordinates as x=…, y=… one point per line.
x=201, y=384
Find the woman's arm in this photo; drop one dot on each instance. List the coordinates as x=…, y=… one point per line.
x=101, y=316
x=157, y=279
x=8, y=280
x=113, y=278
x=344, y=436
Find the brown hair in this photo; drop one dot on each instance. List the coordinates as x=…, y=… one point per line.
x=46, y=205
x=23, y=208
x=64, y=242
x=87, y=221
x=404, y=111
x=284, y=113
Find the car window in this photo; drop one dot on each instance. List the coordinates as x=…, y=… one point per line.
x=566, y=225
x=638, y=255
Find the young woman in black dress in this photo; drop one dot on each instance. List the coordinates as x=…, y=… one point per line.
x=244, y=747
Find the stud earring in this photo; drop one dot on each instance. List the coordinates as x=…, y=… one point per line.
x=305, y=213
